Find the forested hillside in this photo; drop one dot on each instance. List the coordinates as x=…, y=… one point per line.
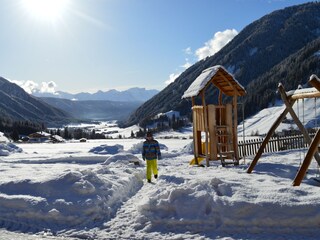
x=17, y=105
x=281, y=46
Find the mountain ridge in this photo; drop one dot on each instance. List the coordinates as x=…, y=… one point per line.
x=251, y=54
x=103, y=110
x=132, y=94
x=17, y=105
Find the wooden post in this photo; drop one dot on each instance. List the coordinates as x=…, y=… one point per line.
x=205, y=126
x=315, y=82
x=220, y=97
x=296, y=119
x=267, y=138
x=195, y=148
x=212, y=134
x=235, y=128
x=307, y=160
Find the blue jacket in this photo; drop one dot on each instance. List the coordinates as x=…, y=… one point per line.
x=151, y=150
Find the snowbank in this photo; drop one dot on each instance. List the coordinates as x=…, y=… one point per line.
x=123, y=158
x=72, y=200
x=7, y=148
x=106, y=149
x=3, y=138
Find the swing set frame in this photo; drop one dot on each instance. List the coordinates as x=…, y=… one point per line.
x=289, y=100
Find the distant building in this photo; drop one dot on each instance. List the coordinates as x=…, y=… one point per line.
x=39, y=137
x=171, y=113
x=165, y=120
x=57, y=139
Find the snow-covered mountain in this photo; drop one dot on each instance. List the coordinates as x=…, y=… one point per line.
x=260, y=123
x=281, y=46
x=132, y=94
x=17, y=105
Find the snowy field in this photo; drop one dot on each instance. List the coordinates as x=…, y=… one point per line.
x=96, y=190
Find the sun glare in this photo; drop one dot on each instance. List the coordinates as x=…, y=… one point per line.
x=49, y=10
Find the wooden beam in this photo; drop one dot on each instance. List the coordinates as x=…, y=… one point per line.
x=205, y=126
x=315, y=82
x=268, y=136
x=195, y=148
x=296, y=119
x=235, y=90
x=212, y=133
x=220, y=97
x=307, y=160
x=297, y=96
x=235, y=128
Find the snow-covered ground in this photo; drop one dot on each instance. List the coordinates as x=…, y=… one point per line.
x=307, y=110
x=97, y=190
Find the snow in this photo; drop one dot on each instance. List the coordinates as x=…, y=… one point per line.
x=313, y=76
x=97, y=190
x=302, y=91
x=201, y=81
x=6, y=148
x=3, y=139
x=261, y=122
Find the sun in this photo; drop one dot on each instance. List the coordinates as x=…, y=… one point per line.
x=46, y=10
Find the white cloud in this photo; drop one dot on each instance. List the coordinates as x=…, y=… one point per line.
x=187, y=64
x=172, y=78
x=32, y=87
x=219, y=40
x=28, y=86
x=48, y=87
x=187, y=51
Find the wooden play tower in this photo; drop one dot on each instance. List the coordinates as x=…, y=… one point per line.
x=216, y=123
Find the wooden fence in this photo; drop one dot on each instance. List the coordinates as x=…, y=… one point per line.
x=275, y=144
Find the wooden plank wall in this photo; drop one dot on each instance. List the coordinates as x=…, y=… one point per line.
x=198, y=118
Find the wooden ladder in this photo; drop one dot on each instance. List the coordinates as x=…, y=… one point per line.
x=225, y=146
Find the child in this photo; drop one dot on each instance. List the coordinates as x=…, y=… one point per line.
x=151, y=152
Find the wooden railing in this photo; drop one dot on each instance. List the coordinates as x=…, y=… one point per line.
x=276, y=144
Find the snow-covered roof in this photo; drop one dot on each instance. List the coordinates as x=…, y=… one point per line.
x=314, y=76
x=301, y=91
x=220, y=77
x=39, y=134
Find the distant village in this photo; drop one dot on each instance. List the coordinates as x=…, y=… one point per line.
x=161, y=122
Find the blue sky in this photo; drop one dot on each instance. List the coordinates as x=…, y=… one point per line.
x=92, y=45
